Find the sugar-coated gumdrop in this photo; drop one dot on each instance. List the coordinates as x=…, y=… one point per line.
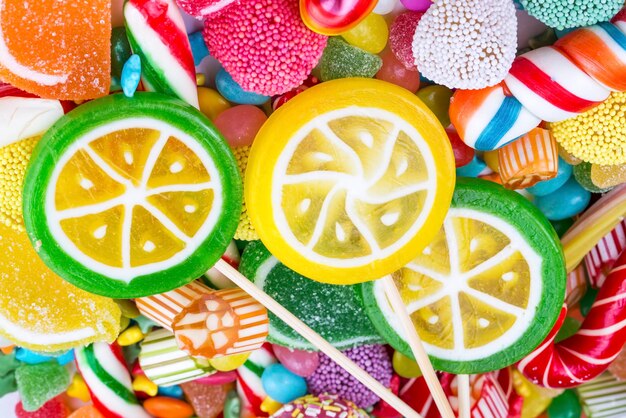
x=46, y=52
x=203, y=8
x=233, y=92
x=466, y=44
x=394, y=72
x=437, y=98
x=569, y=200
x=300, y=362
x=605, y=176
x=342, y=60
x=131, y=75
x=120, y=51
x=54, y=408
x=239, y=124
x=207, y=400
x=163, y=407
x=264, y=45
x=401, y=36
x=563, y=14
x=331, y=378
x=370, y=34
x=29, y=378
x=281, y=384
x=462, y=153
x=582, y=173
x=87, y=411
x=404, y=366
x=548, y=186
x=335, y=16
x=417, y=5
x=566, y=405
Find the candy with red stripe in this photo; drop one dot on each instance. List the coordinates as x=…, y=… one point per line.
x=600, y=260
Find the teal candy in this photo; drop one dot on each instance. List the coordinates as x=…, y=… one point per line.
x=335, y=312
x=570, y=327
x=8, y=364
x=582, y=173
x=473, y=169
x=120, y=51
x=173, y=391
x=199, y=49
x=30, y=357
x=131, y=74
x=562, y=14
x=546, y=187
x=282, y=385
x=569, y=200
x=342, y=60
x=566, y=405
x=587, y=300
x=29, y=378
x=233, y=92
x=232, y=406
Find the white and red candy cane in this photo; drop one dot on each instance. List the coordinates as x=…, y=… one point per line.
x=157, y=33
x=108, y=380
x=576, y=285
x=600, y=260
x=589, y=352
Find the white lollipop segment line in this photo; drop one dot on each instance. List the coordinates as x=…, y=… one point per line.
x=315, y=339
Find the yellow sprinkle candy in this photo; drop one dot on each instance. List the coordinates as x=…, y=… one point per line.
x=13, y=161
x=78, y=389
x=270, y=406
x=145, y=385
x=597, y=136
x=130, y=336
x=228, y=363
x=211, y=102
x=245, y=230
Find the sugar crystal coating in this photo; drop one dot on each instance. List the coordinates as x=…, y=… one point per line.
x=342, y=60
x=401, y=35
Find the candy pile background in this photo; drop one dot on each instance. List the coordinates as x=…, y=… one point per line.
x=473, y=152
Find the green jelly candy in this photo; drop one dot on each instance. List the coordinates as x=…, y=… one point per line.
x=566, y=405
x=334, y=312
x=342, y=60
x=437, y=98
x=8, y=364
x=120, y=51
x=38, y=383
x=582, y=173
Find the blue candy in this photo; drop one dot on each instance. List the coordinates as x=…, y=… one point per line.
x=131, y=74
x=30, y=357
x=546, y=187
x=565, y=202
x=198, y=47
x=282, y=385
x=473, y=169
x=233, y=92
x=171, y=391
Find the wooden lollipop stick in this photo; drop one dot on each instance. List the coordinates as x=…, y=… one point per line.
x=463, y=387
x=315, y=339
x=440, y=398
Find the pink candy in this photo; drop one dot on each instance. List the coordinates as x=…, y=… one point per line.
x=203, y=8
x=401, y=38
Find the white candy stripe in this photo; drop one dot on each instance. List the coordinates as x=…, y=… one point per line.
x=25, y=117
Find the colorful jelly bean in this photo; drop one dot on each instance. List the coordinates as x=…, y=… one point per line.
x=211, y=102
x=163, y=407
x=240, y=124
x=437, y=98
x=299, y=362
x=546, y=187
x=567, y=201
x=370, y=34
x=405, y=366
x=233, y=92
x=281, y=384
x=393, y=71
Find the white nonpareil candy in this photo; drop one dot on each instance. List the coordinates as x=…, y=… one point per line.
x=466, y=44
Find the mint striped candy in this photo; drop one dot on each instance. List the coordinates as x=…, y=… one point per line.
x=166, y=364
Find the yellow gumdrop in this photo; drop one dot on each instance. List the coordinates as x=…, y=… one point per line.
x=536, y=398
x=78, y=389
x=130, y=336
x=211, y=102
x=145, y=385
x=228, y=363
x=605, y=176
x=405, y=366
x=270, y=406
x=491, y=159
x=370, y=35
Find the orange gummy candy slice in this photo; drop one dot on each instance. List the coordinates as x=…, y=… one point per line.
x=56, y=49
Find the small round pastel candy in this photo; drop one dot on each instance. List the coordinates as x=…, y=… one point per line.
x=463, y=154
x=472, y=169
x=417, y=5
x=437, y=98
x=233, y=91
x=300, y=362
x=567, y=201
x=401, y=35
x=393, y=71
x=281, y=384
x=174, y=391
x=164, y=407
x=370, y=34
x=131, y=75
x=120, y=51
x=240, y=124
x=404, y=366
x=342, y=60
x=211, y=102
x=546, y=187
x=384, y=7
x=229, y=363
x=199, y=49
x=566, y=405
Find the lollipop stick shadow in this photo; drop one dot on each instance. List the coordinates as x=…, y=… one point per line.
x=315, y=339
x=440, y=398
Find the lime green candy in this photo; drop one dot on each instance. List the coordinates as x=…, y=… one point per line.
x=129, y=197
x=486, y=291
x=404, y=366
x=332, y=311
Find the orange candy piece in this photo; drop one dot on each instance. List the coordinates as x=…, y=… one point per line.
x=87, y=411
x=56, y=49
x=164, y=407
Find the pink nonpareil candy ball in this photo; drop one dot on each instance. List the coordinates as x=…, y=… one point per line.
x=393, y=71
x=417, y=5
x=299, y=362
x=240, y=124
x=401, y=35
x=203, y=8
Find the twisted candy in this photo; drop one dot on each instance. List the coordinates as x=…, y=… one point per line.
x=591, y=350
x=551, y=83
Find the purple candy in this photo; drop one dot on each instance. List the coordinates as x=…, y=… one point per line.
x=417, y=5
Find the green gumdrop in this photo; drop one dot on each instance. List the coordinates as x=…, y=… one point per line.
x=8, y=364
x=562, y=226
x=566, y=405
x=570, y=327
x=232, y=406
x=342, y=60
x=404, y=366
x=587, y=300
x=437, y=98
x=38, y=383
x=582, y=173
x=120, y=51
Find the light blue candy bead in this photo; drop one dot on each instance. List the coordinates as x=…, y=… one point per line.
x=473, y=169
x=131, y=74
x=198, y=47
x=233, y=92
x=66, y=358
x=31, y=357
x=565, y=202
x=174, y=391
x=282, y=385
x=546, y=187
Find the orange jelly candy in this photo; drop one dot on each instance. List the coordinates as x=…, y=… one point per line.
x=56, y=49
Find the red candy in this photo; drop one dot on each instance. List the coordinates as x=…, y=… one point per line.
x=463, y=154
x=393, y=71
x=239, y=124
x=54, y=408
x=332, y=17
x=203, y=8
x=401, y=37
